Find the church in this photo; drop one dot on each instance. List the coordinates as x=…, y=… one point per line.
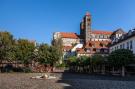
x=88, y=42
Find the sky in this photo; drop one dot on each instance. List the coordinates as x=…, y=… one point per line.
x=38, y=19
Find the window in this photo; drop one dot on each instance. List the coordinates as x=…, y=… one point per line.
x=98, y=50
x=127, y=45
x=105, y=50
x=123, y=46
x=88, y=19
x=101, y=36
x=112, y=49
x=97, y=36
x=101, y=45
x=117, y=47
x=90, y=44
x=120, y=46
x=94, y=50
x=131, y=44
x=88, y=50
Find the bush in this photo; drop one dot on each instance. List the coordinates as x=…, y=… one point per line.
x=62, y=65
x=27, y=70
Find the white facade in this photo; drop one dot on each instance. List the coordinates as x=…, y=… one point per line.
x=126, y=44
x=70, y=41
x=56, y=35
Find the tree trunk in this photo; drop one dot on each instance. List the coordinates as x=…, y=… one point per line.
x=123, y=71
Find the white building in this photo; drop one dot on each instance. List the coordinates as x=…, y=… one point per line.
x=121, y=40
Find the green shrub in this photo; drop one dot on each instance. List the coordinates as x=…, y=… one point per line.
x=27, y=70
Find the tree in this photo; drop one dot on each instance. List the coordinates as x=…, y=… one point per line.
x=43, y=53
x=84, y=63
x=57, y=43
x=72, y=60
x=121, y=58
x=85, y=60
x=48, y=55
x=96, y=61
x=54, y=55
x=24, y=50
x=6, y=46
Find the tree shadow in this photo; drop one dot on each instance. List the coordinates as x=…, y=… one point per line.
x=67, y=79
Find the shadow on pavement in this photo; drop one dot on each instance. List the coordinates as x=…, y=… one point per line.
x=68, y=79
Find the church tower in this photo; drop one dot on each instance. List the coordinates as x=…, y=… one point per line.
x=85, y=27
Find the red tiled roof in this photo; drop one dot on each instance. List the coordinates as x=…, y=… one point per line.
x=67, y=48
x=69, y=35
x=81, y=51
x=102, y=32
x=97, y=44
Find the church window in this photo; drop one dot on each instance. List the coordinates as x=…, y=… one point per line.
x=88, y=19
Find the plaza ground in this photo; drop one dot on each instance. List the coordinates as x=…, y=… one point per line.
x=65, y=81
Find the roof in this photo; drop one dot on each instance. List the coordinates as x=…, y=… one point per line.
x=102, y=32
x=87, y=14
x=81, y=51
x=120, y=30
x=97, y=44
x=93, y=45
x=69, y=35
x=124, y=37
x=75, y=36
x=67, y=48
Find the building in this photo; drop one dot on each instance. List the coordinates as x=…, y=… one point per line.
x=122, y=40
x=87, y=43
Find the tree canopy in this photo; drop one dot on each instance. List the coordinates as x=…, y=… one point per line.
x=6, y=46
x=25, y=50
x=121, y=57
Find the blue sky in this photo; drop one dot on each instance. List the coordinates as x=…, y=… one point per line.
x=38, y=19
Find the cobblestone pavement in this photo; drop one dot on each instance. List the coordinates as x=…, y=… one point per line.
x=65, y=81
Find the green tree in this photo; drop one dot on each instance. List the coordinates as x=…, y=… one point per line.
x=96, y=61
x=57, y=43
x=84, y=63
x=54, y=55
x=48, y=55
x=43, y=53
x=24, y=50
x=72, y=60
x=6, y=46
x=85, y=60
x=121, y=58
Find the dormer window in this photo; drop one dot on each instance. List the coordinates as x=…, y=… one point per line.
x=116, y=40
x=101, y=44
x=90, y=44
x=130, y=32
x=122, y=37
